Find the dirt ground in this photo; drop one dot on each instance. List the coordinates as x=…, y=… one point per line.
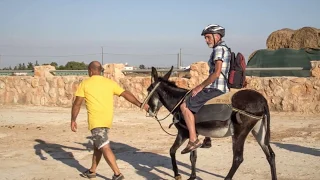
x=37, y=143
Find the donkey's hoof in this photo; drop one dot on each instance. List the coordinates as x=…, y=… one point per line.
x=178, y=177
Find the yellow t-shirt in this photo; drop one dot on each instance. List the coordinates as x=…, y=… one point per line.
x=98, y=92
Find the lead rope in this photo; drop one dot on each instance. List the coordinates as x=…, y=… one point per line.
x=165, y=130
x=174, y=106
x=158, y=120
x=245, y=113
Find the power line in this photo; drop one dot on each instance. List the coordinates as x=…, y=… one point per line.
x=48, y=56
x=140, y=54
x=90, y=55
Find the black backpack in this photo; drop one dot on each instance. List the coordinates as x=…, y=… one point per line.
x=236, y=75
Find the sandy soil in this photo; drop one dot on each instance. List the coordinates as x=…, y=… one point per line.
x=37, y=143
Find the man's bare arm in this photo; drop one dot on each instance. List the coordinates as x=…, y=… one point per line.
x=76, y=108
x=131, y=98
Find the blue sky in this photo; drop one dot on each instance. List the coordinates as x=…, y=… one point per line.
x=140, y=31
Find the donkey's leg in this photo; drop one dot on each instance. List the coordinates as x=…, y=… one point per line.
x=238, y=140
x=263, y=138
x=180, y=139
x=193, y=159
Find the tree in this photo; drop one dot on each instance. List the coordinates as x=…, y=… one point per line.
x=142, y=66
x=23, y=67
x=54, y=64
x=61, y=67
x=30, y=66
x=36, y=64
x=72, y=65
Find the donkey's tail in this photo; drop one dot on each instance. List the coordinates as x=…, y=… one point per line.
x=266, y=121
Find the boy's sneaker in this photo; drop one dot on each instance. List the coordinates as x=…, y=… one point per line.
x=119, y=177
x=89, y=174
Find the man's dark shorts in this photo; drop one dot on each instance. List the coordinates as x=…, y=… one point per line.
x=196, y=102
x=100, y=136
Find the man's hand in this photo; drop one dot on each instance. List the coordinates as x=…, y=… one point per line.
x=75, y=111
x=131, y=98
x=146, y=107
x=196, y=90
x=74, y=126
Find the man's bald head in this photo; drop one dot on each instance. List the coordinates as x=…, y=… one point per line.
x=95, y=68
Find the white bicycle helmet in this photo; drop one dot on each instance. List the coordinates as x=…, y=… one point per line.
x=213, y=29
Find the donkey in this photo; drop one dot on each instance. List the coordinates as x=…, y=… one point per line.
x=214, y=120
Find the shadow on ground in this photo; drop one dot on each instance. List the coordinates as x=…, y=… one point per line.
x=58, y=152
x=298, y=148
x=146, y=162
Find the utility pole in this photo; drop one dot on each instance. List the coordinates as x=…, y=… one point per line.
x=0, y=61
x=180, y=59
x=102, y=55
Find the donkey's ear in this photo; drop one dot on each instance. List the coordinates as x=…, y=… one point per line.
x=154, y=75
x=168, y=74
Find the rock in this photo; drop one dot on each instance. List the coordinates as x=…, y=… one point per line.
x=35, y=100
x=35, y=82
x=8, y=97
x=2, y=85
x=46, y=87
x=64, y=101
x=52, y=93
x=29, y=97
x=299, y=80
x=298, y=90
x=52, y=81
x=43, y=71
x=42, y=81
x=146, y=82
x=277, y=103
x=9, y=82
x=315, y=69
x=114, y=71
x=43, y=101
x=16, y=81
x=60, y=83
x=61, y=91
x=317, y=109
x=75, y=86
x=309, y=87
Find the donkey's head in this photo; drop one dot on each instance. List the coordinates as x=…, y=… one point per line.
x=153, y=99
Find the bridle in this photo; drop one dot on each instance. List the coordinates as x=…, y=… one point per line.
x=155, y=117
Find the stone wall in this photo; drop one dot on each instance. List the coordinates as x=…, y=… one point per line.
x=283, y=93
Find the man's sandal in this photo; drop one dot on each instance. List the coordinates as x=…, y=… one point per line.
x=191, y=146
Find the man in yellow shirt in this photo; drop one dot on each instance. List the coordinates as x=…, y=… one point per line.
x=98, y=92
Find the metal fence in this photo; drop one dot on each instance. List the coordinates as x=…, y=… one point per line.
x=16, y=73
x=137, y=71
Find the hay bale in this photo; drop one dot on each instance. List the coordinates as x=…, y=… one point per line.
x=306, y=37
x=252, y=54
x=318, y=37
x=280, y=39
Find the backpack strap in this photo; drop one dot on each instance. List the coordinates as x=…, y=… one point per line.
x=226, y=79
